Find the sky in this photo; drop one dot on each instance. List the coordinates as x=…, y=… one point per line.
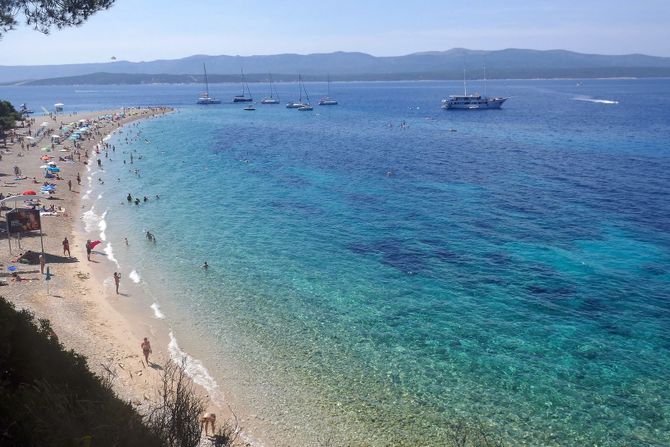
x=144, y=30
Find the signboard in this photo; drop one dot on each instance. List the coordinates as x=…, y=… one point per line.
x=22, y=220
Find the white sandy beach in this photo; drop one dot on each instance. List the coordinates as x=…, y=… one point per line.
x=85, y=312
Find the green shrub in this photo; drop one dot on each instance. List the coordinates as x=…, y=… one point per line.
x=48, y=396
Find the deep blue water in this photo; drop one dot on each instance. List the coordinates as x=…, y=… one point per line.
x=511, y=266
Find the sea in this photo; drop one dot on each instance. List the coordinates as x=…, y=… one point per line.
x=384, y=273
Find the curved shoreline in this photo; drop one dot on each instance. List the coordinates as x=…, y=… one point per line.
x=84, y=311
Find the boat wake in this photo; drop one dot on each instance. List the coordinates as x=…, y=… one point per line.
x=597, y=101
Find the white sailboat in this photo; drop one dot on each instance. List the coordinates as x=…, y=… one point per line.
x=305, y=107
x=245, y=89
x=271, y=99
x=205, y=99
x=327, y=100
x=299, y=103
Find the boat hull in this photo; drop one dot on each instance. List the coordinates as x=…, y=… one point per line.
x=242, y=99
x=482, y=103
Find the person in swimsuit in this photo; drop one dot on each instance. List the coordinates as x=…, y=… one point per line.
x=117, y=280
x=66, y=247
x=146, y=349
x=88, y=249
x=206, y=420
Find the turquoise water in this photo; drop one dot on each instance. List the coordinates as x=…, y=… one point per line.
x=370, y=284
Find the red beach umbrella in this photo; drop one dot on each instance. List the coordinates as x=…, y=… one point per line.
x=30, y=192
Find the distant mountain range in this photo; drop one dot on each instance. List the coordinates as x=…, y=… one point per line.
x=509, y=63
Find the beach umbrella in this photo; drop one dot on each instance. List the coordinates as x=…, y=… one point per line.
x=29, y=192
x=94, y=243
x=45, y=157
x=11, y=268
x=44, y=124
x=30, y=138
x=53, y=169
x=44, y=166
x=46, y=149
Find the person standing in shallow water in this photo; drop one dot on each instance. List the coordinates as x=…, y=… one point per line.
x=146, y=349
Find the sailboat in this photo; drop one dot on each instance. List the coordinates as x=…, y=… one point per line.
x=205, y=99
x=245, y=89
x=305, y=107
x=293, y=104
x=271, y=99
x=327, y=100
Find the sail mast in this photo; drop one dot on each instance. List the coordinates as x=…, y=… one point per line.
x=306, y=94
x=465, y=85
x=300, y=87
x=206, y=83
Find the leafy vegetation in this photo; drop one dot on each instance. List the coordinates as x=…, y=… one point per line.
x=42, y=15
x=50, y=398
x=8, y=116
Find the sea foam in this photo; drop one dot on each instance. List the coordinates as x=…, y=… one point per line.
x=194, y=369
x=110, y=255
x=90, y=219
x=135, y=277
x=157, y=311
x=102, y=226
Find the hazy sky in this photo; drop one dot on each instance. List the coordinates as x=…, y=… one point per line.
x=139, y=30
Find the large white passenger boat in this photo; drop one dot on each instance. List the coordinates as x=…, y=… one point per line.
x=472, y=102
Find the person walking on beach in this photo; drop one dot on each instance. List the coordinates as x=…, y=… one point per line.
x=88, y=249
x=117, y=281
x=66, y=247
x=208, y=419
x=78, y=179
x=146, y=349
x=69, y=185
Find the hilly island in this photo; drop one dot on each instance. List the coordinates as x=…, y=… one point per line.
x=348, y=66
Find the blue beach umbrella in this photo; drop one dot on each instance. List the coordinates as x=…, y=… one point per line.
x=11, y=268
x=53, y=169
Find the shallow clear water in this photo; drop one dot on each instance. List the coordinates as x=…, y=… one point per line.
x=368, y=283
